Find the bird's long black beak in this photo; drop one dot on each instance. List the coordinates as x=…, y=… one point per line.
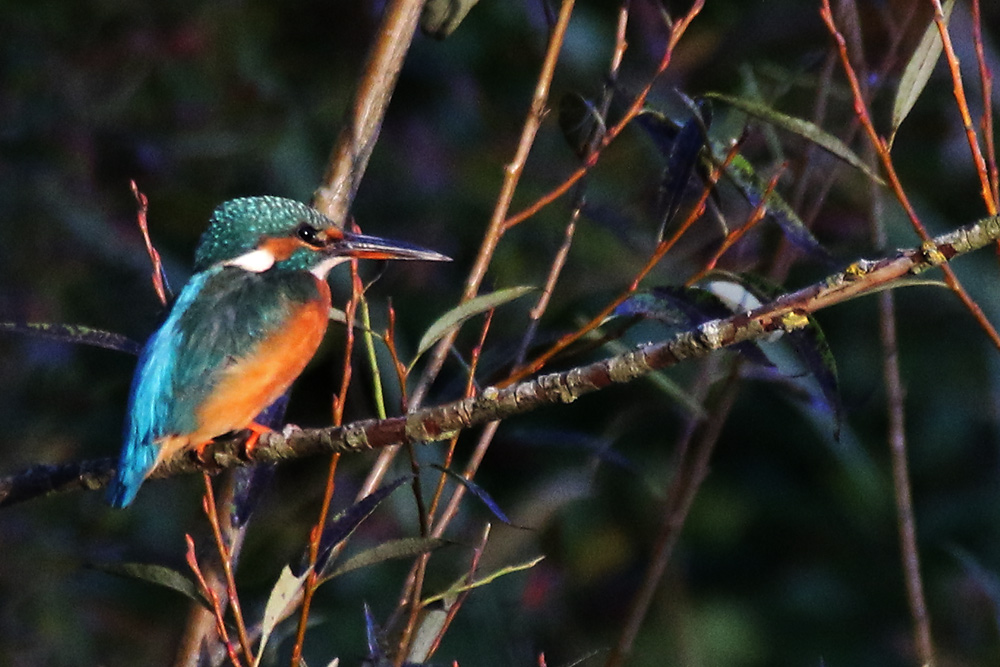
x=373, y=247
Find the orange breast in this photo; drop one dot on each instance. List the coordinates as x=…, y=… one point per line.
x=257, y=380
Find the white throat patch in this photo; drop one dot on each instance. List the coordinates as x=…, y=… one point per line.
x=323, y=268
x=255, y=261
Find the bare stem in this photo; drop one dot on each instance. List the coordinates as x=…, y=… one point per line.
x=361, y=128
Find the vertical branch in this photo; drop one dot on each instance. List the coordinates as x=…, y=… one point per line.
x=901, y=479
x=494, y=231
x=312, y=581
x=692, y=469
x=896, y=434
x=213, y=598
x=361, y=128
x=225, y=558
x=512, y=176
x=559, y=261
x=986, y=86
x=958, y=90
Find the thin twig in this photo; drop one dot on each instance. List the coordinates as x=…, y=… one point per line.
x=958, y=90
x=593, y=144
x=316, y=534
x=200, y=632
x=211, y=512
x=220, y=624
x=470, y=577
x=159, y=282
x=512, y=175
x=676, y=31
x=986, y=85
x=658, y=253
x=901, y=481
x=756, y=215
x=494, y=231
x=882, y=149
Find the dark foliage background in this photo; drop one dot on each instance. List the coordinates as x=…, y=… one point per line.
x=790, y=555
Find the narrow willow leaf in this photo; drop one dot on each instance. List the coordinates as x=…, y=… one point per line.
x=986, y=579
x=406, y=547
x=71, y=333
x=285, y=590
x=459, y=314
x=490, y=578
x=341, y=526
x=812, y=349
x=918, y=71
x=432, y=624
x=752, y=187
x=579, y=121
x=807, y=342
x=661, y=129
x=372, y=634
x=801, y=127
x=687, y=307
x=439, y=18
x=681, y=163
x=480, y=493
x=156, y=574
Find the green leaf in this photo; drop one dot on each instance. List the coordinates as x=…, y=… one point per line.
x=156, y=574
x=439, y=18
x=459, y=314
x=432, y=624
x=918, y=71
x=72, y=333
x=282, y=594
x=453, y=591
x=406, y=547
x=801, y=127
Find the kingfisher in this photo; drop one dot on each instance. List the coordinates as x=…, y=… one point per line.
x=242, y=329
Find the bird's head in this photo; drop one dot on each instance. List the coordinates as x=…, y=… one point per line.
x=262, y=233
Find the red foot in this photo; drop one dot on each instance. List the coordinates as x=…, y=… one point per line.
x=199, y=451
x=256, y=430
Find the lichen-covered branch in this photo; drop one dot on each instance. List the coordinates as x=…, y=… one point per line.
x=441, y=422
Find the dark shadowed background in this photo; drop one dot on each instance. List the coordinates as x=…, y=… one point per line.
x=790, y=556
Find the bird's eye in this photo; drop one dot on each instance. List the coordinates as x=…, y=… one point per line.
x=309, y=235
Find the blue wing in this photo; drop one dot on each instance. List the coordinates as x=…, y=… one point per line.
x=150, y=409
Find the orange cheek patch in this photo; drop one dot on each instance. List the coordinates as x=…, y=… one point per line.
x=281, y=248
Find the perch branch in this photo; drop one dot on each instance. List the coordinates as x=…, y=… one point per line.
x=442, y=422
